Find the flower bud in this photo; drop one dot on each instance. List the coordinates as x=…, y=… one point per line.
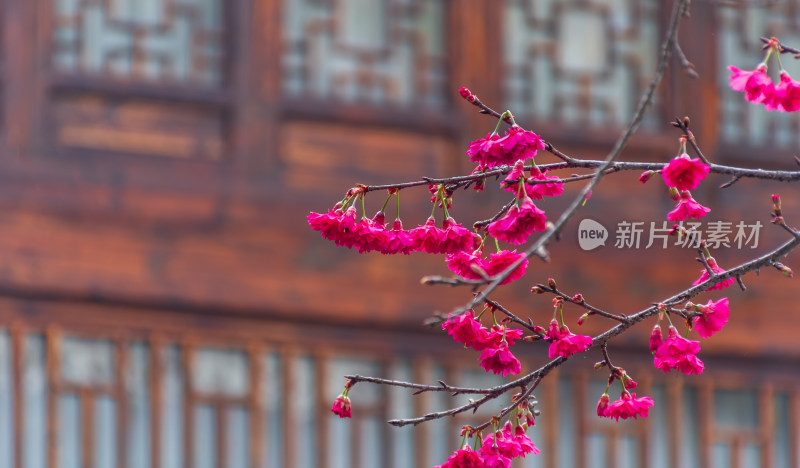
x=582, y=318
x=646, y=175
x=602, y=405
x=599, y=364
x=674, y=194
x=656, y=338
x=537, y=289
x=551, y=282
x=578, y=298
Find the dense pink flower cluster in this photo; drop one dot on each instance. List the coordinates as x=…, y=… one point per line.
x=494, y=150
x=628, y=406
x=687, y=208
x=716, y=269
x=684, y=173
x=759, y=88
x=493, y=344
x=367, y=235
x=510, y=442
x=677, y=352
x=563, y=342
x=534, y=189
x=715, y=316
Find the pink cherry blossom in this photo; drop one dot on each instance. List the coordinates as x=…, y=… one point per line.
x=341, y=407
x=399, y=240
x=327, y=224
x=465, y=264
x=428, y=237
x=466, y=329
x=684, y=173
x=511, y=182
x=503, y=441
x=716, y=269
x=500, y=361
x=715, y=316
x=371, y=234
x=568, y=344
x=553, y=331
x=677, y=352
x=786, y=97
x=519, y=223
x=518, y=143
x=757, y=86
x=457, y=238
x=602, y=405
x=687, y=208
x=500, y=261
x=548, y=189
x=656, y=338
x=463, y=458
x=524, y=442
x=498, y=332
x=485, y=151
x=493, y=459
x=628, y=406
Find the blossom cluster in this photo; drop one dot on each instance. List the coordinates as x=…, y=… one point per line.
x=497, y=450
x=493, y=343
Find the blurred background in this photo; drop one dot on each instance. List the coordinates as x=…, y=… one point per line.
x=164, y=304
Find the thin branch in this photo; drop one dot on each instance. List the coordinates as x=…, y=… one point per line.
x=442, y=387
x=593, y=310
x=768, y=259
x=647, y=98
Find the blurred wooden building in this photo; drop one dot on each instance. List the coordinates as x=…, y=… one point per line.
x=163, y=303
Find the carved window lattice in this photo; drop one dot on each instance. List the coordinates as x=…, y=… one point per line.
x=579, y=62
x=371, y=52
x=164, y=41
x=738, y=41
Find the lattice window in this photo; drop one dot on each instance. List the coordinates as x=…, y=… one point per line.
x=579, y=61
x=365, y=51
x=739, y=29
x=179, y=41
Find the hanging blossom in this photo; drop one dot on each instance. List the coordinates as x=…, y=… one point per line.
x=463, y=458
x=757, y=86
x=628, y=406
x=684, y=173
x=465, y=328
x=500, y=361
x=335, y=225
x=687, y=208
x=371, y=234
x=677, y=352
x=535, y=191
x=510, y=442
x=467, y=264
x=715, y=316
x=786, y=97
x=399, y=240
x=704, y=276
x=519, y=222
x=452, y=238
x=500, y=261
x=341, y=406
x=494, y=150
x=563, y=342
